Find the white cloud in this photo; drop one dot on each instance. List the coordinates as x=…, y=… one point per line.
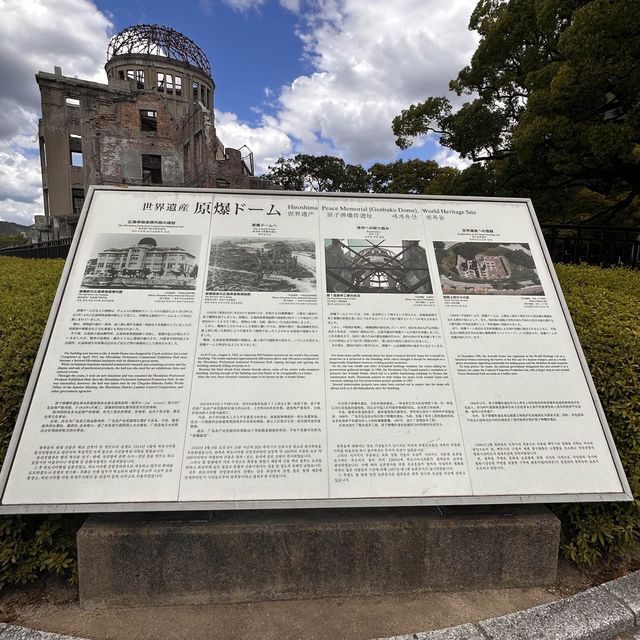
x=36, y=35
x=447, y=158
x=372, y=59
x=292, y=5
x=244, y=5
x=267, y=142
x=21, y=212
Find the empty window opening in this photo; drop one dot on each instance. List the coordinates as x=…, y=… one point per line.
x=187, y=158
x=195, y=87
x=178, y=81
x=197, y=143
x=203, y=94
x=151, y=169
x=43, y=152
x=379, y=280
x=209, y=99
x=133, y=74
x=72, y=102
x=165, y=83
x=148, y=120
x=77, y=200
x=75, y=150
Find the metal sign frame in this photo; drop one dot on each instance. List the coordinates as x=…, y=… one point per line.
x=625, y=495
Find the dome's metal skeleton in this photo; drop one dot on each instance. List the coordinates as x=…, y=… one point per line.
x=152, y=39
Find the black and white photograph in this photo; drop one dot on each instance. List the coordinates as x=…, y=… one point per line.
x=262, y=264
x=135, y=261
x=372, y=266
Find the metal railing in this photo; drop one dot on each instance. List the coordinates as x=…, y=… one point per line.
x=604, y=246
x=49, y=249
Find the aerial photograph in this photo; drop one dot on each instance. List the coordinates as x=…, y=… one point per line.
x=487, y=268
x=262, y=264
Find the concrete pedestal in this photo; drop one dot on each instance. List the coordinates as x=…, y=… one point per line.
x=152, y=559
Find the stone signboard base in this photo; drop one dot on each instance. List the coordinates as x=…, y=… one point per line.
x=197, y=558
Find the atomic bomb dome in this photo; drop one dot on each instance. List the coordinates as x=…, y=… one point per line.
x=151, y=124
x=154, y=40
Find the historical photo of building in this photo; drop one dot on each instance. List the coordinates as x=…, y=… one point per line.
x=129, y=261
x=478, y=268
x=369, y=266
x=262, y=264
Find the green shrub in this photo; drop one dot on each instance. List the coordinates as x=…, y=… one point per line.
x=605, y=306
x=604, y=303
x=29, y=545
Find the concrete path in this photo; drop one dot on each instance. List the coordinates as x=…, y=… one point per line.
x=610, y=611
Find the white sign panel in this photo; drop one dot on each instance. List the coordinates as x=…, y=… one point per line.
x=267, y=349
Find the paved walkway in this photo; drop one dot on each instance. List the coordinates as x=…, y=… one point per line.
x=610, y=611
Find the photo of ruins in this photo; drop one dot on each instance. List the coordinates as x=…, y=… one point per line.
x=487, y=268
x=372, y=266
x=262, y=264
x=142, y=262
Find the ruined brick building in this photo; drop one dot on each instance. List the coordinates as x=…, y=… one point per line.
x=153, y=123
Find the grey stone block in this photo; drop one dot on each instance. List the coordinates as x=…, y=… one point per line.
x=11, y=632
x=252, y=556
x=592, y=615
x=461, y=632
x=627, y=589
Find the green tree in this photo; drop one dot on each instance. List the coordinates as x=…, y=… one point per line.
x=411, y=176
x=478, y=179
x=11, y=240
x=554, y=108
x=329, y=173
x=318, y=173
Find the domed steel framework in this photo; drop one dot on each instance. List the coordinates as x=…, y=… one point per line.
x=152, y=39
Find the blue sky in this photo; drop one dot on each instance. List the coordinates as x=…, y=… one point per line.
x=260, y=43
x=292, y=76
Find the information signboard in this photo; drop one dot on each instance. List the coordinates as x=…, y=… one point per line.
x=243, y=349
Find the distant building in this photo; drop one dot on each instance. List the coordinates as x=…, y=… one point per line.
x=152, y=124
x=146, y=258
x=483, y=267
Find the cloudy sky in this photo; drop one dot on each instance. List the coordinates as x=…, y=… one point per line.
x=292, y=76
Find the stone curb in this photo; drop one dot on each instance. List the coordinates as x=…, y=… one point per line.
x=11, y=632
x=608, y=612
x=600, y=613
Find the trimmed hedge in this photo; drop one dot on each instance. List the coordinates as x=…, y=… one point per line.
x=29, y=546
x=605, y=305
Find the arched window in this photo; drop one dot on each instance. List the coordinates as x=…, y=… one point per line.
x=379, y=280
